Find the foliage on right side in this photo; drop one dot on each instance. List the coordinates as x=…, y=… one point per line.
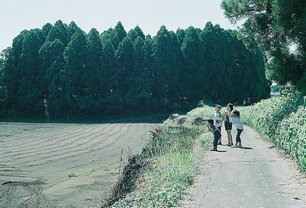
x=279, y=28
x=282, y=121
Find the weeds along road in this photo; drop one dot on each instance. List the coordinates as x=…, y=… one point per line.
x=64, y=165
x=258, y=176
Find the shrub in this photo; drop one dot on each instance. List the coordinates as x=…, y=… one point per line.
x=282, y=121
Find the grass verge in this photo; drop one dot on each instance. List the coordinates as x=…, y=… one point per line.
x=161, y=174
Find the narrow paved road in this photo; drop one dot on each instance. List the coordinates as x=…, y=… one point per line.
x=254, y=177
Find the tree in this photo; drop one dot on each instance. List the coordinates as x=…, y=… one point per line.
x=167, y=68
x=11, y=74
x=135, y=33
x=92, y=71
x=124, y=67
x=276, y=25
x=46, y=29
x=75, y=59
x=139, y=91
x=235, y=73
x=115, y=35
x=30, y=95
x=195, y=72
x=59, y=31
x=106, y=84
x=54, y=80
x=180, y=35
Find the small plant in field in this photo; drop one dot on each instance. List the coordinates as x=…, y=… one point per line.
x=72, y=174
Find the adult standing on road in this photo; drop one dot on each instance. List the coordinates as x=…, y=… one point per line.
x=218, y=120
x=228, y=124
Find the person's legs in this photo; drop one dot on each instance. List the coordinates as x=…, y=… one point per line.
x=238, y=139
x=215, y=142
x=229, y=137
x=219, y=142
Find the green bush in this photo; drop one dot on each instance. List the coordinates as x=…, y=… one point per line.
x=205, y=112
x=290, y=135
x=282, y=121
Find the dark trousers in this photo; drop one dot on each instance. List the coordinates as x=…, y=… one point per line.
x=217, y=136
x=219, y=141
x=238, y=139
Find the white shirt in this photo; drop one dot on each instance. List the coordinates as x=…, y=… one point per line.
x=236, y=121
x=218, y=120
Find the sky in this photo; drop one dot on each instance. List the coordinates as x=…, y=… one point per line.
x=149, y=15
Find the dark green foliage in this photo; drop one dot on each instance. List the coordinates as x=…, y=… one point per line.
x=167, y=68
x=278, y=26
x=236, y=72
x=54, y=80
x=282, y=121
x=75, y=58
x=30, y=95
x=196, y=73
x=135, y=33
x=60, y=71
x=59, y=31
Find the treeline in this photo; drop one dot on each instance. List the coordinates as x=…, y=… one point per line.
x=60, y=70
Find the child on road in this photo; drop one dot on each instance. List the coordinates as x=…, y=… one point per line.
x=217, y=134
x=235, y=119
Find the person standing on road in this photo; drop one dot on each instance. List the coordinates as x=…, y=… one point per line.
x=228, y=124
x=217, y=134
x=235, y=119
x=218, y=120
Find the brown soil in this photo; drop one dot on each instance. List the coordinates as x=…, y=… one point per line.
x=64, y=165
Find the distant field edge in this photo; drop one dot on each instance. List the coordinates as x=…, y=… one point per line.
x=123, y=118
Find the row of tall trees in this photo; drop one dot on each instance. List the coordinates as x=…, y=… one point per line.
x=60, y=70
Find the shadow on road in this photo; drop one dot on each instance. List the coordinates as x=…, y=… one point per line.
x=249, y=148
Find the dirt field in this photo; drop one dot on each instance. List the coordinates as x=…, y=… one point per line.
x=63, y=165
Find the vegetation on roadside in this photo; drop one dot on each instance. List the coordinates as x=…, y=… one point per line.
x=204, y=112
x=164, y=170
x=281, y=120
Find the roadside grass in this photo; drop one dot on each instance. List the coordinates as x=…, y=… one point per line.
x=169, y=164
x=205, y=111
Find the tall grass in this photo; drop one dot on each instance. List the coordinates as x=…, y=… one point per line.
x=175, y=156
